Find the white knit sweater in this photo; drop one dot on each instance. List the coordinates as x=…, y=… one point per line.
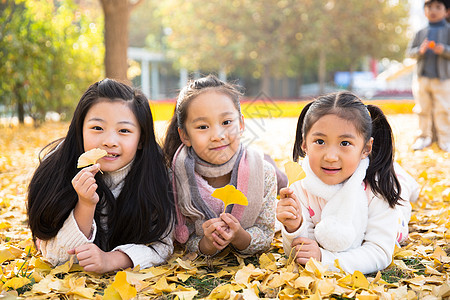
x=70, y=236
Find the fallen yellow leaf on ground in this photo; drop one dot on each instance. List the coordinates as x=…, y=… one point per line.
x=121, y=285
x=419, y=271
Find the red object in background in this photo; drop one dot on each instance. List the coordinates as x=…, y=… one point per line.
x=374, y=67
x=431, y=44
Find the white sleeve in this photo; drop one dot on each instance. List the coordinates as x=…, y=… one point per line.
x=375, y=252
x=68, y=237
x=148, y=256
x=306, y=229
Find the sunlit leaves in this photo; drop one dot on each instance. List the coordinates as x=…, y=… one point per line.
x=419, y=269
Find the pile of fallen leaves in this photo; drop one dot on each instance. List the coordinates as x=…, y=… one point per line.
x=420, y=269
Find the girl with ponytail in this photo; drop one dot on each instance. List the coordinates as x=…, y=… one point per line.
x=354, y=203
x=203, y=147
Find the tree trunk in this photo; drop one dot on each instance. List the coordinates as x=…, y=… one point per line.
x=20, y=104
x=117, y=15
x=322, y=71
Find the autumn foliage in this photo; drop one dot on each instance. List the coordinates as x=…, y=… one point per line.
x=420, y=268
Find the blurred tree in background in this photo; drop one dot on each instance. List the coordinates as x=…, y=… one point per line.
x=49, y=53
x=279, y=37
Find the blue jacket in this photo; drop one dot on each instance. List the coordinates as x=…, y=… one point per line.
x=443, y=60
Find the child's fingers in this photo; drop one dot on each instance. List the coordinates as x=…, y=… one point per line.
x=83, y=182
x=287, y=202
x=91, y=170
x=230, y=220
x=90, y=267
x=302, y=260
x=227, y=218
x=219, y=242
x=306, y=249
x=81, y=178
x=285, y=192
x=286, y=215
x=300, y=241
x=223, y=234
x=211, y=224
x=83, y=256
x=91, y=190
x=210, y=228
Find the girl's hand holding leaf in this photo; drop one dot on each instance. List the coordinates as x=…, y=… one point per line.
x=232, y=231
x=85, y=185
x=236, y=234
x=211, y=239
x=289, y=210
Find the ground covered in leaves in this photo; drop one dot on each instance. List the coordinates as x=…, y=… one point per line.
x=420, y=269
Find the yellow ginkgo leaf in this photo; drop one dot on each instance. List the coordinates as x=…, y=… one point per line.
x=121, y=285
x=439, y=254
x=16, y=282
x=230, y=195
x=111, y=293
x=90, y=157
x=359, y=280
x=294, y=172
x=5, y=255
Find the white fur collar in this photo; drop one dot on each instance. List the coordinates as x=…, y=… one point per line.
x=344, y=217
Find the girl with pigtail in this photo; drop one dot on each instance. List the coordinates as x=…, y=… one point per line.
x=203, y=147
x=354, y=203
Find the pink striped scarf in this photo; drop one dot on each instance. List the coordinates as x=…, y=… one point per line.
x=192, y=192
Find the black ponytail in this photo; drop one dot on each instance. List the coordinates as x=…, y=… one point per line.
x=381, y=175
x=370, y=122
x=298, y=151
x=172, y=140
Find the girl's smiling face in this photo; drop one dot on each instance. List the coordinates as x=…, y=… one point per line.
x=335, y=148
x=213, y=127
x=112, y=126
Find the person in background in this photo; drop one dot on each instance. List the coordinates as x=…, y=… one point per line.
x=431, y=83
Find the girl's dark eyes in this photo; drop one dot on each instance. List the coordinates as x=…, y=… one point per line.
x=202, y=127
x=320, y=142
x=345, y=143
x=124, y=131
x=97, y=128
x=227, y=122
